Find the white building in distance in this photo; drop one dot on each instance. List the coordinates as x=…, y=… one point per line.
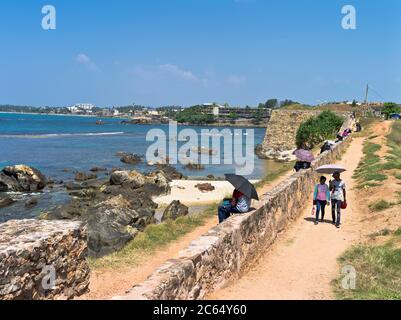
x=81, y=107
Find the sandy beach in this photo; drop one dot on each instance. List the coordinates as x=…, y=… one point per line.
x=188, y=194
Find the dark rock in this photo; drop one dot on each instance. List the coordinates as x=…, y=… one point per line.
x=98, y=169
x=143, y=120
x=158, y=183
x=211, y=177
x=8, y=183
x=82, y=176
x=86, y=194
x=170, y=172
x=95, y=184
x=22, y=178
x=30, y=203
x=6, y=201
x=204, y=150
x=112, y=224
x=174, y=210
x=128, y=179
x=194, y=166
x=73, y=186
x=260, y=152
x=205, y=187
x=131, y=159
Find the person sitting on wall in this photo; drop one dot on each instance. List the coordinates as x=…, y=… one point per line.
x=301, y=165
x=325, y=147
x=239, y=203
x=346, y=133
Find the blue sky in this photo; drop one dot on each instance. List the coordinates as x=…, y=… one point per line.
x=159, y=52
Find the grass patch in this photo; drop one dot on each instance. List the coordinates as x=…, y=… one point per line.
x=378, y=271
x=394, y=143
x=370, y=167
x=399, y=197
x=155, y=236
x=367, y=185
x=381, y=233
x=380, y=205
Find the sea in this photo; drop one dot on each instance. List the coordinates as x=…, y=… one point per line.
x=58, y=145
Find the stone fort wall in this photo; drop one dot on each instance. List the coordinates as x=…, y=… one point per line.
x=42, y=260
x=227, y=250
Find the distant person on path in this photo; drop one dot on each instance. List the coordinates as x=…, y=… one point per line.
x=338, y=196
x=321, y=198
x=239, y=203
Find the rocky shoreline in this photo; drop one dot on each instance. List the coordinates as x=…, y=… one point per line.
x=115, y=207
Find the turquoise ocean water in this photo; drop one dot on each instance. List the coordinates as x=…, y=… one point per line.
x=53, y=143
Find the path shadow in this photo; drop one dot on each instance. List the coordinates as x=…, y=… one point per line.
x=313, y=220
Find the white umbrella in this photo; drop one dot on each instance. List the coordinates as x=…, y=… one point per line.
x=330, y=169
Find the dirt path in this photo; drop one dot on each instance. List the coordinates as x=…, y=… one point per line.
x=303, y=261
x=107, y=283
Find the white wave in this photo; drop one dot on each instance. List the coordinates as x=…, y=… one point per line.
x=57, y=135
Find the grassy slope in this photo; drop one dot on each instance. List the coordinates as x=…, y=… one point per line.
x=372, y=170
x=378, y=270
x=378, y=267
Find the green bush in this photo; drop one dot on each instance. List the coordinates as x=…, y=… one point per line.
x=194, y=115
x=390, y=108
x=317, y=129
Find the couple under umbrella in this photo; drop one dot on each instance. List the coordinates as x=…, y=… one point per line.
x=241, y=201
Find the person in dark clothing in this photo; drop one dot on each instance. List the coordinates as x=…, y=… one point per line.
x=239, y=203
x=325, y=147
x=299, y=165
x=338, y=196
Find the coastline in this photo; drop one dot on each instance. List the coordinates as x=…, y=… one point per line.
x=216, y=124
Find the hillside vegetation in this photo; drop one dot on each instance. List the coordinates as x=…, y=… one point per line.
x=317, y=129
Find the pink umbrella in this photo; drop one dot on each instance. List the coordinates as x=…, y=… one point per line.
x=304, y=155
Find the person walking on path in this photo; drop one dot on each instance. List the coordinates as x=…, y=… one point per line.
x=338, y=197
x=321, y=198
